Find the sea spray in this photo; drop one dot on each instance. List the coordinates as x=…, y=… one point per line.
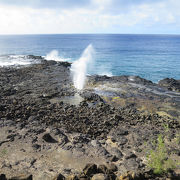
x=54, y=55
x=80, y=66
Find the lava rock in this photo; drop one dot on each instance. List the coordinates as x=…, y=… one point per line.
x=59, y=177
x=3, y=177
x=103, y=169
x=72, y=177
x=90, y=169
x=170, y=84
x=100, y=176
x=48, y=138
x=22, y=177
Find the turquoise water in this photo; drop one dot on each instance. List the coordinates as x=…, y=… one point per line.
x=153, y=57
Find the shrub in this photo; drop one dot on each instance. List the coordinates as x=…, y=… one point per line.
x=158, y=159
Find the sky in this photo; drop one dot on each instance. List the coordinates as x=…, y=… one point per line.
x=89, y=16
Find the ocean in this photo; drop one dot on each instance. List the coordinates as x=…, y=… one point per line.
x=152, y=57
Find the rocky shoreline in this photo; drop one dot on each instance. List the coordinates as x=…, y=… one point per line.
x=49, y=130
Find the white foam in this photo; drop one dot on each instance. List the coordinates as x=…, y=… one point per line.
x=80, y=66
x=14, y=60
x=54, y=55
x=109, y=74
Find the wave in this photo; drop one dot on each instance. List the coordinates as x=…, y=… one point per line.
x=109, y=74
x=16, y=60
x=54, y=55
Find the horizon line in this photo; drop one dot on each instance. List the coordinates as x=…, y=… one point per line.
x=90, y=34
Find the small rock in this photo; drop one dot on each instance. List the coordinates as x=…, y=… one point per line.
x=90, y=169
x=116, y=152
x=95, y=143
x=127, y=176
x=32, y=118
x=103, y=169
x=130, y=155
x=72, y=177
x=131, y=164
x=22, y=177
x=59, y=177
x=48, y=138
x=113, y=158
x=99, y=176
x=67, y=171
x=112, y=167
x=36, y=146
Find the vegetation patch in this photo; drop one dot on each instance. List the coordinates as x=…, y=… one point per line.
x=158, y=158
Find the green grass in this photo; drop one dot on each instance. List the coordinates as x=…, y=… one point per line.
x=3, y=152
x=158, y=158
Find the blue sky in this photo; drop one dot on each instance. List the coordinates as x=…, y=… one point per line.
x=89, y=16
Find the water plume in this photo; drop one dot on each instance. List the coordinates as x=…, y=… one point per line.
x=54, y=55
x=80, y=66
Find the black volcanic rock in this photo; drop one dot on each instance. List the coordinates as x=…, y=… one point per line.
x=48, y=138
x=35, y=57
x=170, y=83
x=112, y=123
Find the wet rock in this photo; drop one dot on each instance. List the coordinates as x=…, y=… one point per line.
x=48, y=138
x=34, y=57
x=49, y=62
x=90, y=169
x=65, y=64
x=139, y=80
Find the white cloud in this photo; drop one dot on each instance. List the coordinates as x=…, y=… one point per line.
x=28, y=20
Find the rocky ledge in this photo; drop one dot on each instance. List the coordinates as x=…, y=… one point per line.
x=49, y=130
